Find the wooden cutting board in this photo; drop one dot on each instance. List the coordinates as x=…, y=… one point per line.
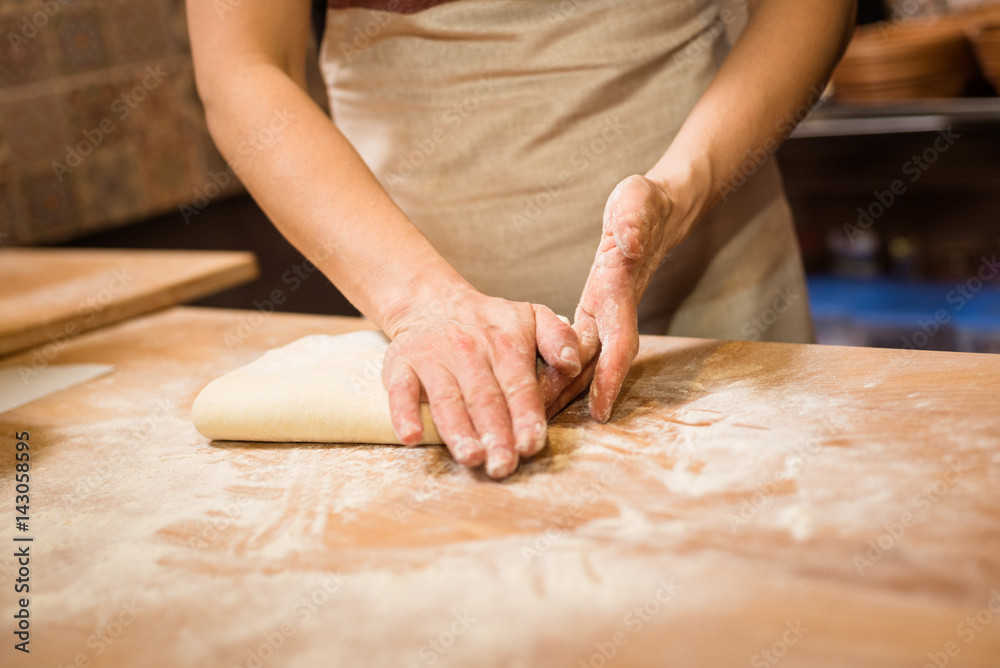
x=750, y=504
x=50, y=295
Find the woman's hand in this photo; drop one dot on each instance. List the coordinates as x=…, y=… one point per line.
x=473, y=358
x=642, y=223
x=784, y=55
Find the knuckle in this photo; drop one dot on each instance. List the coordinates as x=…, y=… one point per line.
x=400, y=387
x=520, y=385
x=527, y=310
x=390, y=363
x=484, y=399
x=463, y=344
x=399, y=374
x=454, y=440
x=497, y=436
x=511, y=344
x=447, y=398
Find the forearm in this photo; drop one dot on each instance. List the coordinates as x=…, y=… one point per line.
x=773, y=74
x=317, y=190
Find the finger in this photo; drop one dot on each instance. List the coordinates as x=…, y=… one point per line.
x=490, y=416
x=557, y=341
x=552, y=381
x=587, y=331
x=572, y=391
x=618, y=328
x=632, y=210
x=451, y=417
x=403, y=387
x=515, y=370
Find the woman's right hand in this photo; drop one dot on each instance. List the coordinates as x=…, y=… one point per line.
x=473, y=359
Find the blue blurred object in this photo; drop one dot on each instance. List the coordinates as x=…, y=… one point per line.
x=834, y=303
x=888, y=313
x=977, y=326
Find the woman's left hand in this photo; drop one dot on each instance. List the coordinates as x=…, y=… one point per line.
x=642, y=223
x=782, y=58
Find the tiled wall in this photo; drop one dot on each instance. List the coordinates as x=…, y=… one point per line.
x=100, y=123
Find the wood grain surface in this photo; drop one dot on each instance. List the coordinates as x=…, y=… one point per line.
x=749, y=504
x=50, y=295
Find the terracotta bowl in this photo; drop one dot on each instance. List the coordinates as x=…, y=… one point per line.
x=923, y=58
x=985, y=37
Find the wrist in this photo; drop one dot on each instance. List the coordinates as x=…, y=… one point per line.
x=418, y=299
x=688, y=183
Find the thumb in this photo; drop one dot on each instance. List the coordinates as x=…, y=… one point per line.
x=633, y=209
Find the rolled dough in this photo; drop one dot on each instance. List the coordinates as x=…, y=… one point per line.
x=321, y=388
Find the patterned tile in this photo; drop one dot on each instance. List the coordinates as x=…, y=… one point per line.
x=36, y=128
x=176, y=25
x=186, y=93
x=160, y=110
x=90, y=111
x=22, y=52
x=157, y=152
x=210, y=159
x=107, y=188
x=82, y=43
x=139, y=30
x=147, y=104
x=166, y=169
x=49, y=205
x=13, y=221
x=21, y=6
x=6, y=153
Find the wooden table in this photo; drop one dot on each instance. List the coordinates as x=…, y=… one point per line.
x=750, y=503
x=50, y=295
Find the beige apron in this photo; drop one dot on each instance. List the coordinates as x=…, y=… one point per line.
x=500, y=127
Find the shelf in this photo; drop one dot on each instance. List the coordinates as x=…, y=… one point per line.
x=837, y=119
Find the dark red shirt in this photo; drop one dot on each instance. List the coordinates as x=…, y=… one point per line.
x=397, y=6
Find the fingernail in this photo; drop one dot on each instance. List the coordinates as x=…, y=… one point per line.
x=466, y=449
x=599, y=416
x=531, y=439
x=409, y=431
x=500, y=463
x=570, y=355
x=538, y=443
x=522, y=443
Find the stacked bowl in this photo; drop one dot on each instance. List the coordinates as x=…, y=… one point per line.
x=920, y=58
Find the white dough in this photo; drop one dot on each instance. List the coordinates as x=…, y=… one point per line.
x=321, y=388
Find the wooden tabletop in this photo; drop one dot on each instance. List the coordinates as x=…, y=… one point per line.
x=50, y=295
x=750, y=504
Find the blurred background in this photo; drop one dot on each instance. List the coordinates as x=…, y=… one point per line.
x=894, y=178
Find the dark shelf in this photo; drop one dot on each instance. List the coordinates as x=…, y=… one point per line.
x=837, y=119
